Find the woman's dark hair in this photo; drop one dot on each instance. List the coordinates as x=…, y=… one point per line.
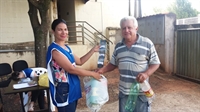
x=15, y=76
x=56, y=22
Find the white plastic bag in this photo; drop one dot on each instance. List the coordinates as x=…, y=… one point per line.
x=96, y=92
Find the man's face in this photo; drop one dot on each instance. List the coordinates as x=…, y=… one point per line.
x=128, y=30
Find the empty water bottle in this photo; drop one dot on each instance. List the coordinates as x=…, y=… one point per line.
x=146, y=88
x=132, y=98
x=102, y=51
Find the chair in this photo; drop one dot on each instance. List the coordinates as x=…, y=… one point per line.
x=5, y=69
x=19, y=65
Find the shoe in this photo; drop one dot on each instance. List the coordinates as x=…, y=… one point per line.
x=31, y=107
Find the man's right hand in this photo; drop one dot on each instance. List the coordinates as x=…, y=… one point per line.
x=99, y=70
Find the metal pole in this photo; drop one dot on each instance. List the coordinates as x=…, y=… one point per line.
x=138, y=10
x=129, y=8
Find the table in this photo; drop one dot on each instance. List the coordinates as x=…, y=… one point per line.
x=10, y=90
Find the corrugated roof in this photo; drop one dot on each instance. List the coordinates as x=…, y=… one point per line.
x=161, y=14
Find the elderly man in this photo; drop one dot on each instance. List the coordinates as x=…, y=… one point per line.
x=136, y=58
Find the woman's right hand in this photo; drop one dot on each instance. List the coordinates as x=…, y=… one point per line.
x=96, y=75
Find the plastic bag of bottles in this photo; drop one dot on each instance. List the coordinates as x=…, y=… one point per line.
x=132, y=98
x=96, y=93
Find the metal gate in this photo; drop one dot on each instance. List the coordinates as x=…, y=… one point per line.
x=188, y=53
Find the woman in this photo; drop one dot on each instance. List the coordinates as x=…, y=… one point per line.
x=63, y=74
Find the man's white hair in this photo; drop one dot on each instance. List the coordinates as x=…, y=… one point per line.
x=135, y=23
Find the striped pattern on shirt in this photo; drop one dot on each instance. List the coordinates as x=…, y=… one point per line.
x=131, y=61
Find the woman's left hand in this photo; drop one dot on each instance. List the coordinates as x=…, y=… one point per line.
x=96, y=48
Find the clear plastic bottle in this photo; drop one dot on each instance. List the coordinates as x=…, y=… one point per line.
x=146, y=88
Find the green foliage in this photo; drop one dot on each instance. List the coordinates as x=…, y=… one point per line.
x=182, y=9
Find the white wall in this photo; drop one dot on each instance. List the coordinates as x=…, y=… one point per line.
x=15, y=25
x=91, y=64
x=13, y=56
x=113, y=11
x=90, y=12
x=101, y=14
x=14, y=22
